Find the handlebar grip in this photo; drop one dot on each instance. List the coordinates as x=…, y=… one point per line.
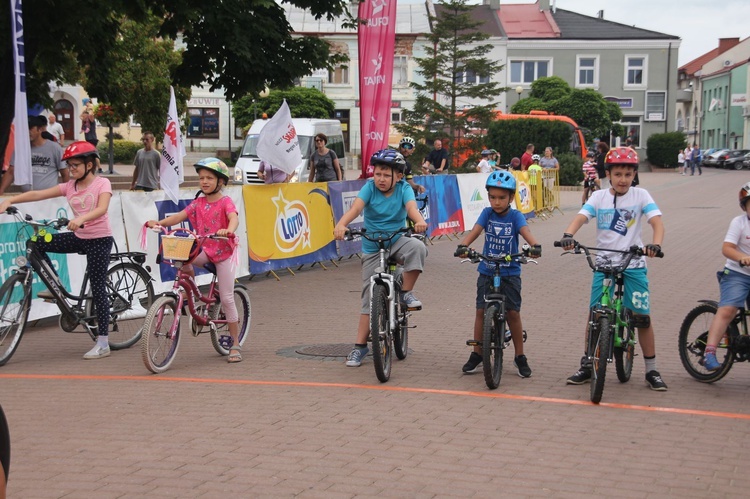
x=557, y=244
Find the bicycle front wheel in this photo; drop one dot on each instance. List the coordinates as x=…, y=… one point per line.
x=692, y=344
x=599, y=354
x=380, y=332
x=14, y=310
x=624, y=354
x=130, y=296
x=161, y=334
x=493, y=335
x=401, y=335
x=244, y=313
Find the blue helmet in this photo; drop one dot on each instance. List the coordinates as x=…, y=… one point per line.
x=501, y=180
x=389, y=157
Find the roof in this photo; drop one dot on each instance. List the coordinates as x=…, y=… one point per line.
x=696, y=64
x=481, y=14
x=527, y=21
x=580, y=27
x=410, y=19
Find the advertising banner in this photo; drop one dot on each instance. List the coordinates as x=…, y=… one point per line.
x=343, y=195
x=444, y=204
x=524, y=201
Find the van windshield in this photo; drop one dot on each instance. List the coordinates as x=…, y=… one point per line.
x=251, y=142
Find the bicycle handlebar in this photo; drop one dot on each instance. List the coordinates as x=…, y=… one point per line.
x=523, y=257
x=634, y=250
x=383, y=237
x=161, y=228
x=55, y=223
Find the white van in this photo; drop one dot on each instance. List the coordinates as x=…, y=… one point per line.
x=246, y=168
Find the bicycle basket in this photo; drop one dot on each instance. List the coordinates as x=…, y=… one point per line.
x=176, y=247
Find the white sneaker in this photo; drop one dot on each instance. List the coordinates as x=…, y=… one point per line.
x=97, y=353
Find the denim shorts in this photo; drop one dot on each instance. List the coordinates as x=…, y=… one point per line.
x=635, y=293
x=734, y=287
x=509, y=286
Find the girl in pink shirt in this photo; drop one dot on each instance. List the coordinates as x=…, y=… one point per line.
x=214, y=213
x=91, y=233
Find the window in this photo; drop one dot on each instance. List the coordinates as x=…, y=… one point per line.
x=204, y=122
x=470, y=77
x=632, y=125
x=587, y=71
x=397, y=117
x=635, y=71
x=529, y=71
x=400, y=71
x=656, y=106
x=339, y=75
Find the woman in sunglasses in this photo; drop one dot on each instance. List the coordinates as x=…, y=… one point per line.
x=324, y=164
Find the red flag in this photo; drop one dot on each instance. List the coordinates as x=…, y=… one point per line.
x=377, y=39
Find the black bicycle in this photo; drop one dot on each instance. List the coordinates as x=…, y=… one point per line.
x=128, y=285
x=495, y=333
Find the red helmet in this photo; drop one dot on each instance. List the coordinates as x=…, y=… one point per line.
x=744, y=195
x=621, y=156
x=78, y=149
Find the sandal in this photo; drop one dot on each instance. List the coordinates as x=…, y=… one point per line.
x=235, y=354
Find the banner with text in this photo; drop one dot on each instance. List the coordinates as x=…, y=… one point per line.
x=343, y=195
x=445, y=210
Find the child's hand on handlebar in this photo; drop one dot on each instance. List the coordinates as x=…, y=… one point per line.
x=225, y=233
x=652, y=250
x=420, y=227
x=75, y=224
x=462, y=251
x=339, y=232
x=567, y=242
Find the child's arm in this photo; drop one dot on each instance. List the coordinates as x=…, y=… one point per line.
x=234, y=222
x=102, y=206
x=171, y=220
x=658, y=227
x=413, y=213
x=25, y=197
x=311, y=177
x=731, y=251
x=536, y=251
x=575, y=224
x=357, y=206
x=467, y=240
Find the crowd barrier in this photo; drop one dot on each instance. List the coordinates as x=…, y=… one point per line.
x=282, y=226
x=545, y=191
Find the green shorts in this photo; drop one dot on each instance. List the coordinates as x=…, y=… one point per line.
x=635, y=292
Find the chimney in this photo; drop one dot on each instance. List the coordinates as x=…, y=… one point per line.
x=494, y=4
x=543, y=5
x=600, y=14
x=727, y=43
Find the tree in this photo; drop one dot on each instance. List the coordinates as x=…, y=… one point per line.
x=586, y=107
x=303, y=103
x=238, y=45
x=454, y=69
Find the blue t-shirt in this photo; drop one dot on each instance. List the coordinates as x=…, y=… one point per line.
x=384, y=214
x=501, y=238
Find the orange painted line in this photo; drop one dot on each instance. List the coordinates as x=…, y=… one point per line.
x=386, y=388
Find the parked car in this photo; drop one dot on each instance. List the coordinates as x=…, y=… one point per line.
x=746, y=160
x=733, y=159
x=713, y=158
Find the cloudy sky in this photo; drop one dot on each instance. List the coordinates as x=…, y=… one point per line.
x=699, y=23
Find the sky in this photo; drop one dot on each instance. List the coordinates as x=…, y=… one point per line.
x=699, y=23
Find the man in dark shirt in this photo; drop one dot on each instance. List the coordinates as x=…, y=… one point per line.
x=437, y=160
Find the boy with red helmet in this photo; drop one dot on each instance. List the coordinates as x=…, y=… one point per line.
x=617, y=211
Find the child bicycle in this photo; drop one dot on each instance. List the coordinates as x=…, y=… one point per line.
x=610, y=332
x=128, y=286
x=162, y=334
x=495, y=333
x=389, y=320
x=735, y=344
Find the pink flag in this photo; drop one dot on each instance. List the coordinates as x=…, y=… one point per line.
x=22, y=162
x=377, y=39
x=172, y=152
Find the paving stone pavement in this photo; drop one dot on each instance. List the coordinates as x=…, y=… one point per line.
x=285, y=425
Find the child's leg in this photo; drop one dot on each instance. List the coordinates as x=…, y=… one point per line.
x=97, y=259
x=411, y=253
x=513, y=318
x=226, y=272
x=478, y=328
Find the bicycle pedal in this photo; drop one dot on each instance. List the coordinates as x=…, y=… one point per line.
x=225, y=341
x=473, y=343
x=413, y=308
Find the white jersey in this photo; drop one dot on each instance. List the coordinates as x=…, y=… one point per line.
x=739, y=235
x=484, y=166
x=619, y=226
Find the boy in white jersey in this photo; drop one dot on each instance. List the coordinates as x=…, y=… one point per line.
x=618, y=211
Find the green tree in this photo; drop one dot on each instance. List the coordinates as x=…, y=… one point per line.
x=454, y=65
x=303, y=103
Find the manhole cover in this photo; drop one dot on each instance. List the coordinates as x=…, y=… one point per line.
x=325, y=350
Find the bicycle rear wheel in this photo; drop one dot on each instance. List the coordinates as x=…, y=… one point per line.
x=380, y=333
x=14, y=311
x=244, y=313
x=692, y=344
x=493, y=335
x=601, y=345
x=161, y=334
x=624, y=354
x=130, y=296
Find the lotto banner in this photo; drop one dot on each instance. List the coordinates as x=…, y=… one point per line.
x=444, y=203
x=291, y=225
x=524, y=201
x=343, y=195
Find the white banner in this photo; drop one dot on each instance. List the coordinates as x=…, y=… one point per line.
x=22, y=162
x=278, y=143
x=172, y=152
x=473, y=192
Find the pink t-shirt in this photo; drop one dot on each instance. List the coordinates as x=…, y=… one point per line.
x=82, y=201
x=207, y=218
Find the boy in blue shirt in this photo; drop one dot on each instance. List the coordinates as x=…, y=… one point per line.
x=501, y=225
x=386, y=200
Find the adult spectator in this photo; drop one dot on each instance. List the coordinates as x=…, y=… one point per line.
x=271, y=175
x=515, y=163
x=695, y=160
x=681, y=161
x=437, y=161
x=56, y=129
x=601, y=153
x=47, y=168
x=406, y=148
x=526, y=157
x=88, y=124
x=147, y=163
x=324, y=164
x=549, y=161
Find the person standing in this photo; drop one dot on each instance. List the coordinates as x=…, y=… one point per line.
x=695, y=160
x=681, y=161
x=437, y=161
x=88, y=124
x=601, y=153
x=270, y=175
x=484, y=164
x=526, y=157
x=56, y=129
x=147, y=163
x=324, y=164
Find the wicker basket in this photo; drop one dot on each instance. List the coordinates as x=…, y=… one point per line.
x=176, y=248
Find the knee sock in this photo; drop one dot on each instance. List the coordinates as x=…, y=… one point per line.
x=361, y=346
x=710, y=349
x=650, y=363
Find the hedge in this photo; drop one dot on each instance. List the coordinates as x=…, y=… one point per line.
x=123, y=150
x=662, y=148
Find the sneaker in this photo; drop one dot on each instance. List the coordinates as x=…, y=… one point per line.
x=710, y=362
x=355, y=357
x=473, y=365
x=581, y=376
x=653, y=378
x=410, y=301
x=523, y=366
x=45, y=295
x=97, y=353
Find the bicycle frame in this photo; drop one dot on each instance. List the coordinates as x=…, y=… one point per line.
x=385, y=276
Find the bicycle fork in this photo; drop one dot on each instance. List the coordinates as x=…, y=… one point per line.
x=385, y=279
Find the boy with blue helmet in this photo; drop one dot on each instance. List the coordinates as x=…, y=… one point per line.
x=386, y=200
x=501, y=225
